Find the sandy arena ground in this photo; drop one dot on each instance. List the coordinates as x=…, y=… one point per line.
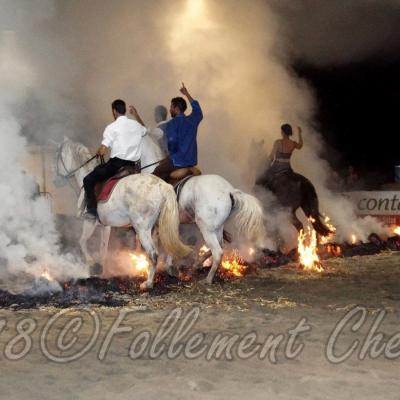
x=272, y=301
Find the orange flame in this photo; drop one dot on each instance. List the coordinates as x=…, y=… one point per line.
x=46, y=275
x=329, y=238
x=233, y=264
x=396, y=230
x=203, y=250
x=307, y=248
x=353, y=239
x=140, y=264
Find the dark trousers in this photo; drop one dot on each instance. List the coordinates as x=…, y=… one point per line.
x=100, y=174
x=164, y=169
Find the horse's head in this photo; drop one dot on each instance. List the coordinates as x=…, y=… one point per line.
x=63, y=162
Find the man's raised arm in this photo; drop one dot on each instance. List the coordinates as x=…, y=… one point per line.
x=196, y=109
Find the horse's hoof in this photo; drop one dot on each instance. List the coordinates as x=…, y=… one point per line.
x=96, y=269
x=173, y=271
x=146, y=286
x=205, y=282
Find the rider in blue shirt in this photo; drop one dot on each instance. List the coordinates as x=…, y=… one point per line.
x=181, y=132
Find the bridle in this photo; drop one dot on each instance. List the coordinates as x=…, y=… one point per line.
x=70, y=174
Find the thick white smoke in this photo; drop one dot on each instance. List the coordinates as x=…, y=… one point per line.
x=29, y=242
x=234, y=57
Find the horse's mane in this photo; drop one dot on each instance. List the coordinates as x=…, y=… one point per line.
x=80, y=151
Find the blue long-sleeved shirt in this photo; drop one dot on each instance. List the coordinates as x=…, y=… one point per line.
x=182, y=137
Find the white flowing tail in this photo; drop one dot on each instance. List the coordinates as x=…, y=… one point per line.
x=168, y=225
x=249, y=219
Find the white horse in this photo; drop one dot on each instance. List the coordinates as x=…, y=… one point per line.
x=139, y=200
x=211, y=200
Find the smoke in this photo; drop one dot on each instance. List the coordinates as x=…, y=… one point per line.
x=29, y=242
x=234, y=57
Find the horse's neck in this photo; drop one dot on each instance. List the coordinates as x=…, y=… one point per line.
x=85, y=169
x=151, y=152
x=81, y=173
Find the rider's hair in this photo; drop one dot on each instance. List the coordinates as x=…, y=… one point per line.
x=119, y=106
x=287, y=129
x=179, y=102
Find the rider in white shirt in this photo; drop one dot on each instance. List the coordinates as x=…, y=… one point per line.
x=124, y=138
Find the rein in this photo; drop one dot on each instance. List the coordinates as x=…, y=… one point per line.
x=150, y=165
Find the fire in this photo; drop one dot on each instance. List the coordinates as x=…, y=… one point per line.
x=233, y=264
x=140, y=264
x=46, y=275
x=307, y=248
x=334, y=249
x=203, y=250
x=396, y=230
x=353, y=239
x=329, y=238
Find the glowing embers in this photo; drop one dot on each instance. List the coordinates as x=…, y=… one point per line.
x=140, y=264
x=307, y=248
x=334, y=249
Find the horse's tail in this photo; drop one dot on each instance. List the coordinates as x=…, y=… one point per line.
x=310, y=206
x=249, y=218
x=168, y=225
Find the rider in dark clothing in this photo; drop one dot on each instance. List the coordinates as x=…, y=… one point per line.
x=281, y=154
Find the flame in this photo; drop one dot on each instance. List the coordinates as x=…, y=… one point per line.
x=46, y=275
x=140, y=264
x=203, y=250
x=233, y=264
x=307, y=248
x=332, y=228
x=334, y=249
x=251, y=251
x=353, y=239
x=396, y=230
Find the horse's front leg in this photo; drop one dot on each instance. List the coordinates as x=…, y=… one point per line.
x=88, y=228
x=105, y=238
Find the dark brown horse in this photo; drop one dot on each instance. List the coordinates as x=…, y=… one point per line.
x=293, y=191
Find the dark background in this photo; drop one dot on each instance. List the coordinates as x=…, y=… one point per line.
x=358, y=115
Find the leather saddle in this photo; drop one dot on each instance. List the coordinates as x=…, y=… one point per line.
x=104, y=189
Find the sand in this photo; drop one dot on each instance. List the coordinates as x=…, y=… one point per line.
x=265, y=303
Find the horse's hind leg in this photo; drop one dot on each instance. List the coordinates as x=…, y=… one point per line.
x=148, y=244
x=213, y=240
x=296, y=222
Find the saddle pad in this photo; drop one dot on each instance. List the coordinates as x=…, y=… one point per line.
x=107, y=189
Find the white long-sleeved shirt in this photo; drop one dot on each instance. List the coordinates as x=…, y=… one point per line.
x=124, y=137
